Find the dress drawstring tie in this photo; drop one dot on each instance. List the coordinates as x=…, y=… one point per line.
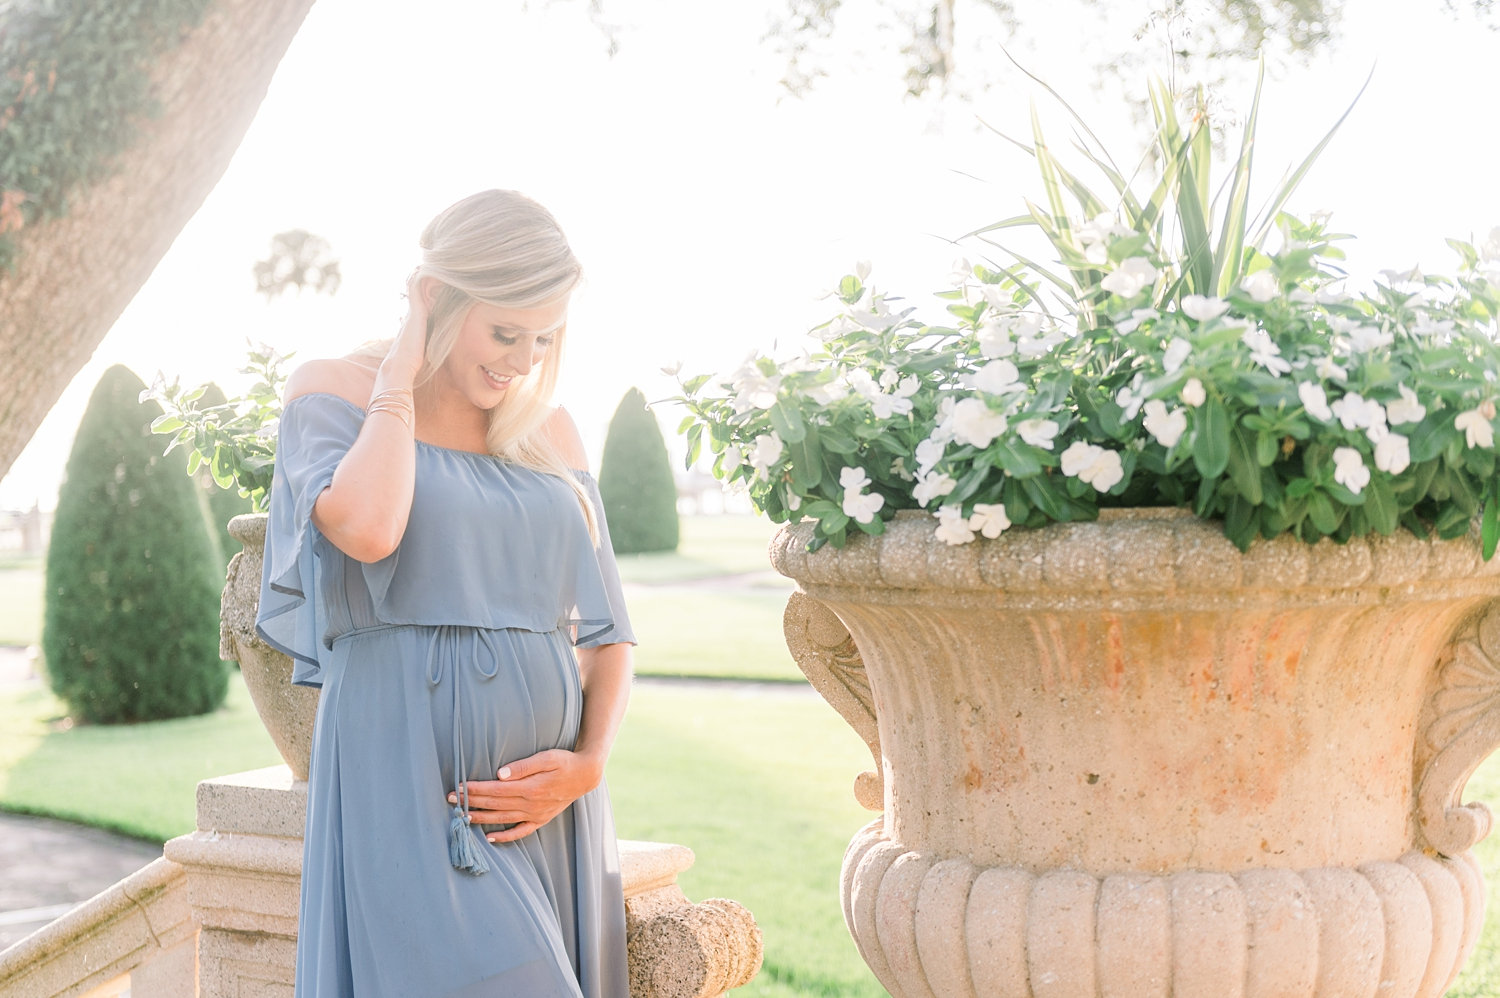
x=465, y=851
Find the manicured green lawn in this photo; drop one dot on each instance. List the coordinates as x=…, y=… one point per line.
x=710, y=545
x=708, y=632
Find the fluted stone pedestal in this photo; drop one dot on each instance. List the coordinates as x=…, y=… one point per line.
x=244, y=867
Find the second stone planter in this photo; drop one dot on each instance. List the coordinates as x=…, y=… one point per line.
x=1122, y=758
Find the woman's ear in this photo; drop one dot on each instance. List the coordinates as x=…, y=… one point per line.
x=430, y=287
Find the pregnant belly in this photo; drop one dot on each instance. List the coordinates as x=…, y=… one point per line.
x=486, y=697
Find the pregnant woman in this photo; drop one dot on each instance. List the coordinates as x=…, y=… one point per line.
x=437, y=561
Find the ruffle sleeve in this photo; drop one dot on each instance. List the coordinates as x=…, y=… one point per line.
x=609, y=623
x=315, y=433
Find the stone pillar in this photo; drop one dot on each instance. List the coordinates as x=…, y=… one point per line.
x=244, y=869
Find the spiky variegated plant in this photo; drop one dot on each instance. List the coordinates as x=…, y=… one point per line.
x=1163, y=364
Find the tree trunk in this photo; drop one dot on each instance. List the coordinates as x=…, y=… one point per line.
x=75, y=274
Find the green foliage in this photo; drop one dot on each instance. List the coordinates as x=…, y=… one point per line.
x=74, y=83
x=635, y=481
x=1163, y=363
x=234, y=441
x=131, y=629
x=220, y=505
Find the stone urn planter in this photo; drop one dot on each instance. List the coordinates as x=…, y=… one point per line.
x=1123, y=759
x=287, y=711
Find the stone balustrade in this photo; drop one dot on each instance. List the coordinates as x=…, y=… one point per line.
x=216, y=916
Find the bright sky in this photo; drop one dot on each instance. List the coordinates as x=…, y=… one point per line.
x=710, y=212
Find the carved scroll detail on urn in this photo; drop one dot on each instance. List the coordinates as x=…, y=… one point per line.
x=822, y=648
x=1461, y=727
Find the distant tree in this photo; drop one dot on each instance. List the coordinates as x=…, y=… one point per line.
x=941, y=41
x=635, y=481
x=298, y=260
x=131, y=630
x=219, y=505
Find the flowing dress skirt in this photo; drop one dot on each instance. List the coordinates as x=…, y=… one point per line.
x=406, y=712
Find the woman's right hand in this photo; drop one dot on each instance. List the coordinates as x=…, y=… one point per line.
x=409, y=349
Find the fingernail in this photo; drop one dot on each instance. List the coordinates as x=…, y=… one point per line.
x=505, y=773
x=453, y=798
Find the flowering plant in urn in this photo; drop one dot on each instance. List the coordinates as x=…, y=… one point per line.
x=1157, y=362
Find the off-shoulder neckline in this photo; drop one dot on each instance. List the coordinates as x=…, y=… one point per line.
x=495, y=458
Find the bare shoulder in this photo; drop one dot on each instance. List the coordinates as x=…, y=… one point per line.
x=346, y=378
x=563, y=434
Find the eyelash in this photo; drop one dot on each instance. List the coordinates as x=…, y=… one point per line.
x=542, y=341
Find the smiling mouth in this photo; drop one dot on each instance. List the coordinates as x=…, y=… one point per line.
x=496, y=380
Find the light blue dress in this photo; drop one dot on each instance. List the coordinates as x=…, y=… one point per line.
x=442, y=662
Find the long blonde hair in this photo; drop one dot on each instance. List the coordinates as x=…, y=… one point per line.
x=502, y=248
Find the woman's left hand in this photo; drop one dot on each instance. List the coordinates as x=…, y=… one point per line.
x=530, y=792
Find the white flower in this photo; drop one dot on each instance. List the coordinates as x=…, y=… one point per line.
x=862, y=507
x=1315, y=401
x=952, y=528
x=1032, y=347
x=672, y=370
x=765, y=452
x=1358, y=413
x=876, y=315
x=929, y=453
x=1478, y=430
x=1406, y=409
x=827, y=393
x=1095, y=235
x=963, y=272
x=1204, y=309
x=793, y=500
x=1166, y=427
x=1176, y=355
x=932, y=485
x=908, y=386
x=1130, y=398
x=1093, y=465
x=1037, y=432
x=1261, y=286
x=1363, y=339
x=1137, y=316
x=857, y=506
x=1393, y=453
x=995, y=378
x=989, y=519
x=1192, y=393
x=1349, y=469
x=1130, y=277
x=974, y=422
x=733, y=457
x=1264, y=351
x=885, y=406
x=853, y=479
x=752, y=388
x=862, y=270
x=1328, y=370
x=994, y=338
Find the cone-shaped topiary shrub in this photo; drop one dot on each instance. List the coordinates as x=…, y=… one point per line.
x=131, y=631
x=635, y=481
x=223, y=504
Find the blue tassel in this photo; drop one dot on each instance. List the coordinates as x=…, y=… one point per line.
x=463, y=851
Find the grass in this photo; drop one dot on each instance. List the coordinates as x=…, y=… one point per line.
x=757, y=784
x=710, y=633
x=710, y=546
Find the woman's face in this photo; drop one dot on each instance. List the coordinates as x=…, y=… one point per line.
x=495, y=346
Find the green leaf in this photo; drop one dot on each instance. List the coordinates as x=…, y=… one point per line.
x=788, y=422
x=807, y=461
x=1380, y=506
x=1322, y=513
x=1211, y=438
x=692, y=385
x=1489, y=524
x=1018, y=461
x=166, y=423
x=1244, y=469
